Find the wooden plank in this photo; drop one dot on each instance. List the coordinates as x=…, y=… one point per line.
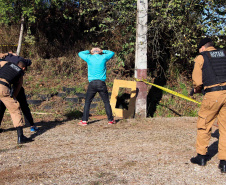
x=122, y=113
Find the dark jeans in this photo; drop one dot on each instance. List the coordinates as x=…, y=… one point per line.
x=21, y=98
x=94, y=87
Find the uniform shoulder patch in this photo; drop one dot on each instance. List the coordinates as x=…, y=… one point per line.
x=216, y=54
x=15, y=67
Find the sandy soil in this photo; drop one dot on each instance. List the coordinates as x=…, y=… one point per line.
x=134, y=151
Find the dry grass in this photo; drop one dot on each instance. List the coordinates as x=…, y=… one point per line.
x=136, y=151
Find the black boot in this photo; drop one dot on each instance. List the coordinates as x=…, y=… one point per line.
x=222, y=166
x=199, y=159
x=21, y=137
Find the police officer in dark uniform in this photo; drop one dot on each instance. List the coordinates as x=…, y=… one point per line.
x=11, y=79
x=210, y=72
x=21, y=97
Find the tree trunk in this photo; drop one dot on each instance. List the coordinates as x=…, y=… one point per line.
x=21, y=36
x=141, y=58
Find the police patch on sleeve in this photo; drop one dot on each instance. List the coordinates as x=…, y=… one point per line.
x=15, y=67
x=217, y=54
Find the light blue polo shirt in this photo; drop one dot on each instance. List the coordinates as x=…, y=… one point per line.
x=96, y=64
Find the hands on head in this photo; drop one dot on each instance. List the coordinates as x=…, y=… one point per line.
x=96, y=51
x=3, y=55
x=13, y=53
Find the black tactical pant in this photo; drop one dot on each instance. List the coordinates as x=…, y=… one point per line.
x=21, y=98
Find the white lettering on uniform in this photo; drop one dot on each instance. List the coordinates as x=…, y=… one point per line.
x=216, y=54
x=15, y=67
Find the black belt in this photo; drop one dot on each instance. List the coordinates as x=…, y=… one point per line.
x=217, y=88
x=5, y=84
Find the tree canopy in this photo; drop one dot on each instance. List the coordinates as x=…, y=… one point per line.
x=174, y=26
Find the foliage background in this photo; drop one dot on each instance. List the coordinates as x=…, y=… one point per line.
x=56, y=30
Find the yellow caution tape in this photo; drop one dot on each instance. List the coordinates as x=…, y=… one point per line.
x=8, y=45
x=13, y=44
x=169, y=91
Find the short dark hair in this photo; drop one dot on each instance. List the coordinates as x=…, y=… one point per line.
x=208, y=44
x=22, y=64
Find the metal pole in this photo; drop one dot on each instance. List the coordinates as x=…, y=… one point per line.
x=141, y=58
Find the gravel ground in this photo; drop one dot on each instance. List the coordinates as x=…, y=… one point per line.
x=133, y=151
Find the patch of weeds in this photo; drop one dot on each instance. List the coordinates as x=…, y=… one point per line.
x=47, y=90
x=191, y=113
x=36, y=88
x=80, y=72
x=73, y=114
x=109, y=84
x=28, y=79
x=182, y=85
x=176, y=72
x=32, y=107
x=159, y=110
x=108, y=72
x=100, y=111
x=79, y=89
x=53, y=90
x=45, y=79
x=184, y=89
x=76, y=89
x=37, y=85
x=58, y=81
x=35, y=97
x=57, y=88
x=170, y=115
x=174, y=88
x=167, y=108
x=70, y=104
x=170, y=101
x=50, y=103
x=185, y=92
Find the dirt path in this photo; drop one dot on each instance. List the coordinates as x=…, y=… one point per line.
x=136, y=151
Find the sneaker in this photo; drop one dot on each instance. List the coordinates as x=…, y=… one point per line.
x=111, y=122
x=82, y=123
x=34, y=129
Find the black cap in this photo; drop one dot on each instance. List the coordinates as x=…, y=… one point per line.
x=203, y=42
x=27, y=62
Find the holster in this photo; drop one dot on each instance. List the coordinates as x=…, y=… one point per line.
x=11, y=91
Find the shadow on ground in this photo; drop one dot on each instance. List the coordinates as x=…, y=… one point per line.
x=213, y=148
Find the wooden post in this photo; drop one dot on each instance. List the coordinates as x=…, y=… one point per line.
x=141, y=57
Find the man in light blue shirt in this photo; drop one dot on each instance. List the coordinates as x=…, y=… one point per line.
x=96, y=60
